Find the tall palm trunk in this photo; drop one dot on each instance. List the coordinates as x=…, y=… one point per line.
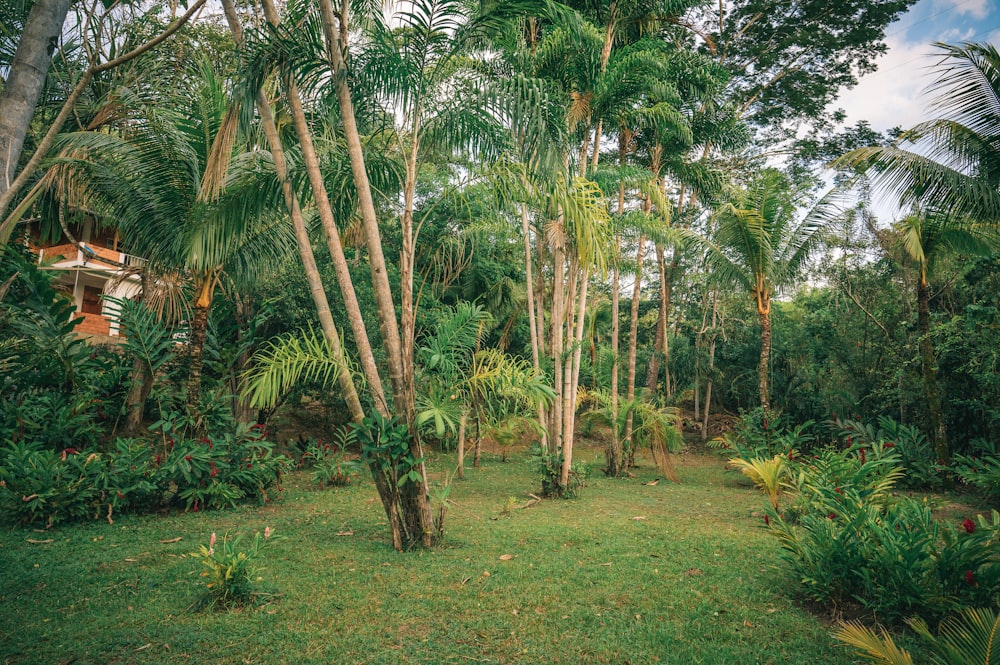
x=575, y=376
x=335, y=247
x=415, y=511
x=653, y=371
x=764, y=312
x=532, y=318
x=25, y=80
x=197, y=332
x=614, y=452
x=928, y=366
x=142, y=385
x=713, y=336
x=304, y=244
x=633, y=334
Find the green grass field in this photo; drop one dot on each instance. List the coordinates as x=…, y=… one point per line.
x=627, y=573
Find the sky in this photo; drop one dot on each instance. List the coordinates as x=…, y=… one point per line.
x=891, y=96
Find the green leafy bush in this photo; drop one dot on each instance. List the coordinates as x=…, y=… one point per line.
x=849, y=541
x=914, y=450
x=231, y=571
x=39, y=485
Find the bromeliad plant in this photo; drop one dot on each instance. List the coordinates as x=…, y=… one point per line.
x=231, y=571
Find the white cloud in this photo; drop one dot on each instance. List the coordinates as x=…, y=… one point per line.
x=979, y=9
x=891, y=96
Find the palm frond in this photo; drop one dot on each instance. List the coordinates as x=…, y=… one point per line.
x=286, y=361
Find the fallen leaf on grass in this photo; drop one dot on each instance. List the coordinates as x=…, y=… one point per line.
x=348, y=532
x=507, y=557
x=691, y=572
x=144, y=646
x=39, y=542
x=132, y=560
x=639, y=517
x=466, y=580
x=652, y=483
x=604, y=564
x=747, y=624
x=171, y=540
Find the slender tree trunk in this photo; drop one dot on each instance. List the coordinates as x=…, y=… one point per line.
x=335, y=246
x=304, y=244
x=532, y=318
x=713, y=336
x=25, y=80
x=461, y=445
x=196, y=340
x=764, y=312
x=633, y=334
x=929, y=370
x=653, y=371
x=142, y=384
x=416, y=514
x=667, y=277
x=556, y=433
x=575, y=378
x=614, y=455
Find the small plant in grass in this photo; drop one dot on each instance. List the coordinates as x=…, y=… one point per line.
x=550, y=465
x=331, y=465
x=230, y=570
x=767, y=474
x=967, y=639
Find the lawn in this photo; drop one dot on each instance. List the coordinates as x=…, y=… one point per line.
x=627, y=573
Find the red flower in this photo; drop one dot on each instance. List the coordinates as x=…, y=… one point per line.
x=121, y=496
x=767, y=520
x=832, y=516
x=863, y=460
x=838, y=490
x=890, y=445
x=188, y=458
x=969, y=525
x=157, y=459
x=214, y=470
x=970, y=579
x=849, y=439
x=204, y=440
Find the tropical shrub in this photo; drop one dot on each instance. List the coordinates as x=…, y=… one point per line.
x=39, y=485
x=849, y=541
x=923, y=471
x=764, y=435
x=982, y=474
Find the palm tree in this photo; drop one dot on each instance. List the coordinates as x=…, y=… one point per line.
x=180, y=197
x=759, y=247
x=955, y=162
x=924, y=239
x=952, y=173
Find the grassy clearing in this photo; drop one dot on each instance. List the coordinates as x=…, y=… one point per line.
x=692, y=581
